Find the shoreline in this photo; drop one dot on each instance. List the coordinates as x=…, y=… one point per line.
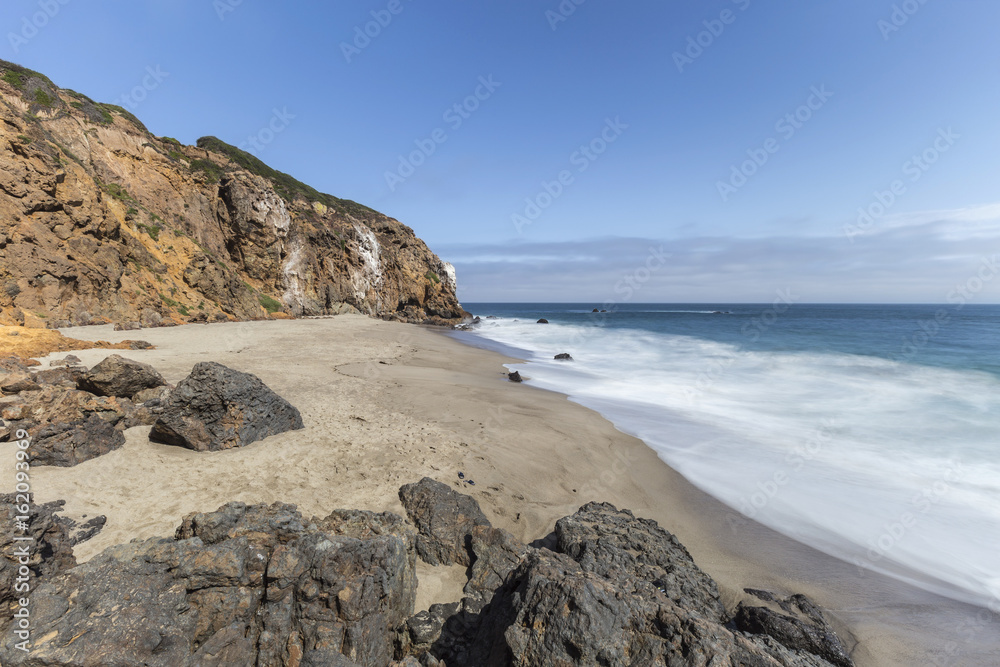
x=387, y=403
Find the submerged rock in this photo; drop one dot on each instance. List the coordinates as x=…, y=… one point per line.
x=216, y=407
x=542, y=321
x=563, y=356
x=515, y=376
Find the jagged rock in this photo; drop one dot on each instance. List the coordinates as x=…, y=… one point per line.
x=515, y=376
x=138, y=344
x=64, y=376
x=50, y=549
x=245, y=585
x=17, y=382
x=618, y=546
x=67, y=444
x=802, y=626
x=424, y=628
x=118, y=376
x=445, y=520
x=495, y=553
x=542, y=321
x=550, y=611
x=216, y=407
x=563, y=356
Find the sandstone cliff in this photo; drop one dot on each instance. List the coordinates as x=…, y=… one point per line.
x=100, y=221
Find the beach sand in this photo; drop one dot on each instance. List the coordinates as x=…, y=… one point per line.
x=385, y=404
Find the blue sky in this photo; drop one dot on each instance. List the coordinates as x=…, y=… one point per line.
x=591, y=140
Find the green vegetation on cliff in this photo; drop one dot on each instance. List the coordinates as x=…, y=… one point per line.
x=287, y=186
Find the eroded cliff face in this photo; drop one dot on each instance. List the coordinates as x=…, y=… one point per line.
x=100, y=221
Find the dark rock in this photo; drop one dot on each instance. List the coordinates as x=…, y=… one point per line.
x=425, y=627
x=118, y=376
x=542, y=321
x=216, y=407
x=604, y=311
x=495, y=553
x=595, y=310
x=67, y=444
x=514, y=376
x=17, y=382
x=563, y=356
x=803, y=628
x=444, y=519
x=49, y=550
x=128, y=326
x=550, y=611
x=240, y=586
x=152, y=394
x=620, y=547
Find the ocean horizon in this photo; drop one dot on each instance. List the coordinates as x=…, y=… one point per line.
x=867, y=431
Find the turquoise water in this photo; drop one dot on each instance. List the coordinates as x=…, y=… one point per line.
x=869, y=432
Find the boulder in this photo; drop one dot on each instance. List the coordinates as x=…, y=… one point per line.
x=66, y=444
x=796, y=622
x=444, y=519
x=542, y=321
x=244, y=585
x=18, y=381
x=563, y=356
x=514, y=376
x=618, y=546
x=495, y=553
x=216, y=407
x=550, y=611
x=128, y=326
x=118, y=376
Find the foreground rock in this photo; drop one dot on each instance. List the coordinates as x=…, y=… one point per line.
x=245, y=585
x=444, y=519
x=216, y=407
x=50, y=549
x=118, y=376
x=618, y=591
x=796, y=622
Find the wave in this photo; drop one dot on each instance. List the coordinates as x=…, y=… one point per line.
x=891, y=466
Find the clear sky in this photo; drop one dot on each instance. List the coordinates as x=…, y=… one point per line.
x=739, y=136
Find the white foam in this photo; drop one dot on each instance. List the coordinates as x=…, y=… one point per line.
x=890, y=466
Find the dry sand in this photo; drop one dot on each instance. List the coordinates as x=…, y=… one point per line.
x=386, y=403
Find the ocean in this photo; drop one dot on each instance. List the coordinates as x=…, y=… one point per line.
x=869, y=432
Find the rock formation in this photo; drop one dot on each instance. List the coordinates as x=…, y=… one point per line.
x=216, y=407
x=260, y=585
x=100, y=221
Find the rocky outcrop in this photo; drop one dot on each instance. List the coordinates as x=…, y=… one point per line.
x=618, y=591
x=244, y=585
x=216, y=407
x=260, y=585
x=100, y=221
x=796, y=622
x=68, y=426
x=118, y=376
x=444, y=518
x=49, y=549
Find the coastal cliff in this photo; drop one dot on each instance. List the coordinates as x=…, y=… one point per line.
x=100, y=221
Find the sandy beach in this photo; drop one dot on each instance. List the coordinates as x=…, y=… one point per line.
x=385, y=404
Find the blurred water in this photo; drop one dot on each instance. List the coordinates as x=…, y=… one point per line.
x=868, y=432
